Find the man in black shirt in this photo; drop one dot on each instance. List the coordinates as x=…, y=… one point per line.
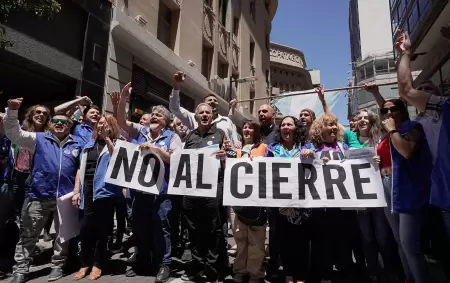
x=266, y=115
x=204, y=216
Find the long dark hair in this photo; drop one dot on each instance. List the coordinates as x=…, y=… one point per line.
x=300, y=134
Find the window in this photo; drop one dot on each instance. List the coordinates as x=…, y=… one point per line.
x=413, y=20
x=424, y=5
x=222, y=70
x=252, y=51
x=275, y=84
x=401, y=6
x=223, y=11
x=395, y=20
x=274, y=71
x=164, y=24
x=253, y=10
x=236, y=26
x=206, y=61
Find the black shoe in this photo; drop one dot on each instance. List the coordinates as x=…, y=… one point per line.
x=47, y=237
x=57, y=273
x=187, y=255
x=19, y=278
x=163, y=274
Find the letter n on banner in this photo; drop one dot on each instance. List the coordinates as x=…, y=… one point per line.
x=194, y=172
x=132, y=168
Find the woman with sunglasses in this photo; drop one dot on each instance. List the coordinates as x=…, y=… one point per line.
x=95, y=198
x=17, y=171
x=405, y=162
x=293, y=224
x=249, y=223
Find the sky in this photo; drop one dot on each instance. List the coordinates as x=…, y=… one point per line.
x=319, y=28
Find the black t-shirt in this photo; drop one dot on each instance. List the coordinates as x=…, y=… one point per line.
x=91, y=166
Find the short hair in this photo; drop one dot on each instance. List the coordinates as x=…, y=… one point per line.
x=209, y=95
x=114, y=127
x=164, y=111
x=200, y=105
x=87, y=108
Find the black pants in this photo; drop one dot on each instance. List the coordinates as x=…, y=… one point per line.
x=204, y=223
x=120, y=208
x=178, y=224
x=331, y=242
x=294, y=248
x=274, y=243
x=95, y=229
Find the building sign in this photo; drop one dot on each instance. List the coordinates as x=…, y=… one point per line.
x=275, y=53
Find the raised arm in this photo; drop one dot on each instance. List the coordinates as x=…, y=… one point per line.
x=407, y=145
x=12, y=128
x=186, y=117
x=121, y=112
x=406, y=90
x=375, y=91
x=86, y=101
x=321, y=94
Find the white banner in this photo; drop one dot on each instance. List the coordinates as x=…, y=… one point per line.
x=194, y=172
x=132, y=168
x=286, y=182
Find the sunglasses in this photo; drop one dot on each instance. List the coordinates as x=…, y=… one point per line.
x=394, y=109
x=61, y=121
x=39, y=112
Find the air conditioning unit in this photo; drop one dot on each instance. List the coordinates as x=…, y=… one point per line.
x=140, y=20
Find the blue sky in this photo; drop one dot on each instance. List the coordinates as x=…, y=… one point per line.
x=319, y=28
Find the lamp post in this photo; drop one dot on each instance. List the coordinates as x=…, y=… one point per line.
x=239, y=80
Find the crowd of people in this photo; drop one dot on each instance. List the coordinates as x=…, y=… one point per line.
x=65, y=151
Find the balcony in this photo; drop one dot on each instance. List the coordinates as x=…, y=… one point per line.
x=224, y=43
x=235, y=50
x=209, y=19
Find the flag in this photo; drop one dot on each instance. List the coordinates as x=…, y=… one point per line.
x=292, y=105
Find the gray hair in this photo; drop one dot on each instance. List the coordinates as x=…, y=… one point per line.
x=164, y=111
x=200, y=105
x=375, y=130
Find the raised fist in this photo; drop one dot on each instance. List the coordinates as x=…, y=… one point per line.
x=14, y=104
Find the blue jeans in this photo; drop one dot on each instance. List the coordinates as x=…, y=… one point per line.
x=407, y=230
x=162, y=231
x=377, y=238
x=143, y=205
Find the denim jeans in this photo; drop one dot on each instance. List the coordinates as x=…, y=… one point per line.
x=162, y=242
x=143, y=205
x=377, y=238
x=407, y=230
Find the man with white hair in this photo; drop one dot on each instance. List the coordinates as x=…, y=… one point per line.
x=163, y=142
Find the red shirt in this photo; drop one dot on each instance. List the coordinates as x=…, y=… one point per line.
x=384, y=151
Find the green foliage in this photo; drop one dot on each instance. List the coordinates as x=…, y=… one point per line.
x=40, y=8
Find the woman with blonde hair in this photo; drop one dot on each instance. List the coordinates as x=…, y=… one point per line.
x=95, y=198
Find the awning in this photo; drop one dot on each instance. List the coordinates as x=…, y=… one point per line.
x=147, y=47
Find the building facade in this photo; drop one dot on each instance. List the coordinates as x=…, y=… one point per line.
x=49, y=65
x=372, y=53
x=212, y=41
x=427, y=23
x=287, y=70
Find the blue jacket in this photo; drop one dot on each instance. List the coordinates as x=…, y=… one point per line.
x=54, y=167
x=411, y=177
x=101, y=189
x=440, y=189
x=83, y=133
x=162, y=142
x=271, y=148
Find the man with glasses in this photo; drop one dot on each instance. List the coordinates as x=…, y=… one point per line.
x=437, y=107
x=56, y=162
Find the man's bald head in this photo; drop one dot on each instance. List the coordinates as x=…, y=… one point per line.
x=266, y=115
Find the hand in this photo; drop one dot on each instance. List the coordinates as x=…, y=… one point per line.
x=233, y=104
x=371, y=87
x=178, y=78
x=325, y=160
x=403, y=43
x=14, y=104
x=389, y=124
x=104, y=131
x=76, y=200
x=126, y=91
x=221, y=154
x=147, y=145
x=377, y=159
x=238, y=145
x=115, y=98
x=321, y=92
x=85, y=101
x=124, y=192
x=307, y=154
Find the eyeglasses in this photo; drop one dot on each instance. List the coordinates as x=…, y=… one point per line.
x=393, y=109
x=60, y=121
x=39, y=112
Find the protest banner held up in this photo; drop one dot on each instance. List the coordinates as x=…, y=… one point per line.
x=135, y=169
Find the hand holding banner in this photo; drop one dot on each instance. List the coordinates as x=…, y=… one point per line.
x=132, y=168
